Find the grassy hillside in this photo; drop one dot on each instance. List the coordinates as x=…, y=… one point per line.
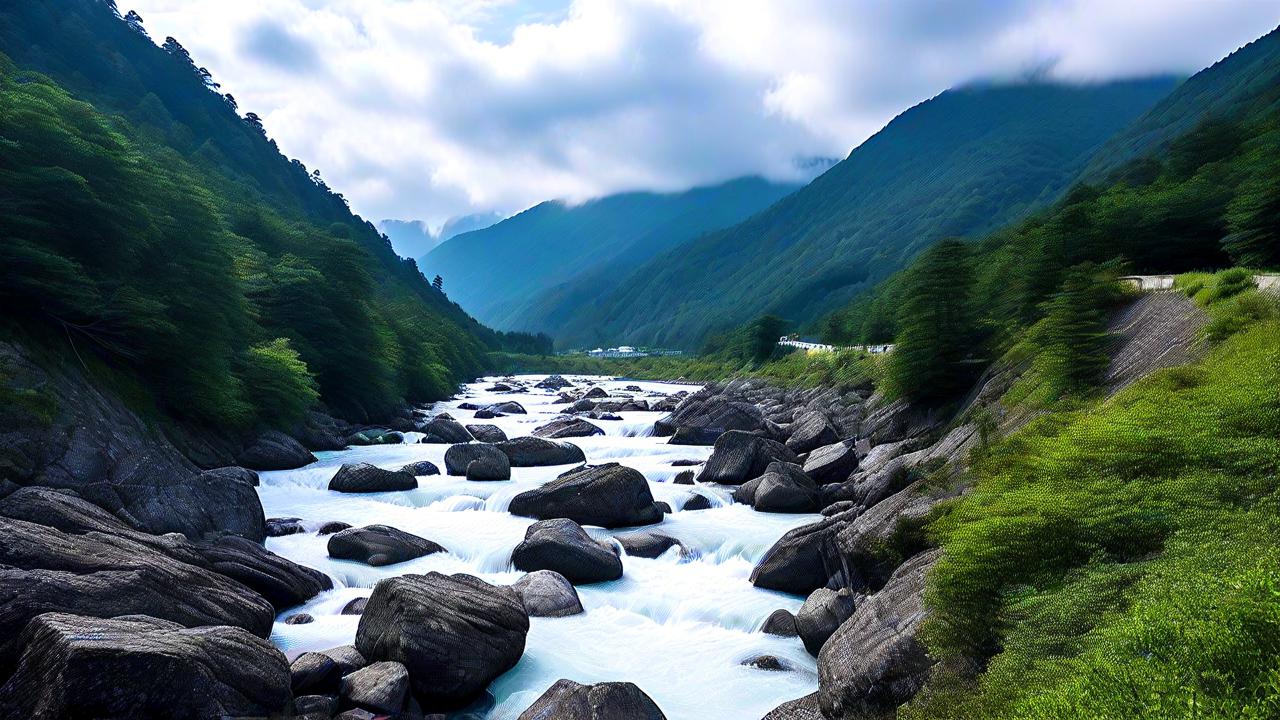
x=963, y=163
x=530, y=271
x=146, y=222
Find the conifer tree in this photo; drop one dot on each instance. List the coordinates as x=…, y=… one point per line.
x=936, y=327
x=1072, y=337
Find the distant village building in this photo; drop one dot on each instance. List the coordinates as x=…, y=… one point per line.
x=623, y=351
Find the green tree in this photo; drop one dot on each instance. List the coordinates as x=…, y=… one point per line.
x=936, y=325
x=1253, y=220
x=1072, y=337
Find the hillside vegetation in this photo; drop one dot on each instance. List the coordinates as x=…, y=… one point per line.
x=147, y=224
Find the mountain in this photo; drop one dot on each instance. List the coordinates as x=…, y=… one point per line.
x=1245, y=82
x=149, y=227
x=960, y=164
x=500, y=273
x=413, y=238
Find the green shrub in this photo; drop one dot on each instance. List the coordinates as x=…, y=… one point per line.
x=278, y=382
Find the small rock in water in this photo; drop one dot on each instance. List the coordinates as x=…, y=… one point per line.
x=684, y=477
x=279, y=527
x=298, y=619
x=664, y=506
x=766, y=662
x=421, y=467
x=685, y=462
x=355, y=607
x=379, y=545
x=647, y=544
x=780, y=622
x=697, y=502
x=568, y=700
x=380, y=687
x=563, y=546
x=366, y=478
x=332, y=527
x=547, y=593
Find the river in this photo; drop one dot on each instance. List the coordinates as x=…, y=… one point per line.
x=678, y=627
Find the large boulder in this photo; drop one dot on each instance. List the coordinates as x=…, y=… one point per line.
x=491, y=466
x=740, y=456
x=281, y=581
x=379, y=545
x=421, y=467
x=46, y=570
x=510, y=407
x=713, y=414
x=313, y=672
x=784, y=488
x=366, y=478
x=805, y=708
x=567, y=427
x=530, y=451
x=823, y=611
x=865, y=552
x=563, y=546
x=455, y=634
x=459, y=457
x=487, y=433
x=875, y=661
x=811, y=430
x=381, y=688
x=795, y=563
x=444, y=429
x=781, y=623
x=74, y=666
x=554, y=382
x=546, y=593
x=568, y=700
x=273, y=450
x=608, y=495
x=647, y=543
x=832, y=463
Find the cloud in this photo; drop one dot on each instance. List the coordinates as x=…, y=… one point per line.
x=436, y=108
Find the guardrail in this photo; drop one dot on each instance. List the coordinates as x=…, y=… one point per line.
x=819, y=347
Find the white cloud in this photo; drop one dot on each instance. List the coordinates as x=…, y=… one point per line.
x=433, y=108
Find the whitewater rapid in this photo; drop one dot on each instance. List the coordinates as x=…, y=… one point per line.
x=678, y=627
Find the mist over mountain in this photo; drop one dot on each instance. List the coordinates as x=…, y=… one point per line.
x=414, y=238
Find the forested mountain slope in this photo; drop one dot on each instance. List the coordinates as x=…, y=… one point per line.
x=145, y=223
x=960, y=164
x=501, y=273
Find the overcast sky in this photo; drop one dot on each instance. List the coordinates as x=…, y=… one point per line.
x=426, y=109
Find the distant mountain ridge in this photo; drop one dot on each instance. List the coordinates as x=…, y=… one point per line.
x=500, y=274
x=960, y=164
x=414, y=238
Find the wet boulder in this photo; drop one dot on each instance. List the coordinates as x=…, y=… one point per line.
x=567, y=427
x=143, y=667
x=784, y=488
x=379, y=545
x=781, y=623
x=510, y=407
x=281, y=581
x=695, y=436
x=714, y=414
x=794, y=564
x=455, y=634
x=554, y=382
x=315, y=673
x=805, y=708
x=547, y=593
x=381, y=687
x=458, y=457
x=487, y=433
x=375, y=436
x=486, y=414
x=740, y=456
x=568, y=700
x=832, y=463
x=684, y=477
x=446, y=430
x=583, y=405
x=696, y=501
x=347, y=657
x=489, y=467
x=596, y=393
x=563, y=546
x=811, y=430
x=332, y=527
x=530, y=451
x=366, y=478
x=771, y=663
x=823, y=611
x=273, y=450
x=279, y=527
x=355, y=607
x=647, y=543
x=299, y=619
x=421, y=468
x=608, y=495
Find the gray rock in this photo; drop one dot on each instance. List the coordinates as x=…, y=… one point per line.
x=810, y=431
x=695, y=436
x=647, y=543
x=697, y=501
x=823, y=611
x=487, y=433
x=455, y=634
x=684, y=477
x=136, y=666
x=554, y=382
x=315, y=707
x=546, y=593
x=711, y=414
x=767, y=662
x=420, y=468
x=566, y=428
x=347, y=657
x=281, y=581
x=380, y=687
x=596, y=393
x=784, y=488
x=739, y=456
x=273, y=450
x=458, y=457
x=563, y=546
x=606, y=495
x=509, y=407
x=832, y=463
x=530, y=451
x=490, y=467
x=795, y=563
x=332, y=527
x=299, y=619
x=780, y=622
x=315, y=673
x=568, y=700
x=279, y=527
x=447, y=429
x=366, y=478
x=355, y=607
x=805, y=708
x=379, y=545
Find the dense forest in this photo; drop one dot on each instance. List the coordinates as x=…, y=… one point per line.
x=150, y=226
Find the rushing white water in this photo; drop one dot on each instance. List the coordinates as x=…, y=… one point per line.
x=678, y=627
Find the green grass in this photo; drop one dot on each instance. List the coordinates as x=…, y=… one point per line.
x=1122, y=560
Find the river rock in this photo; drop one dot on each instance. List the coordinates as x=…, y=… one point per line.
x=279, y=527
x=281, y=581
x=823, y=611
x=832, y=463
x=347, y=657
x=547, y=593
x=447, y=430
x=143, y=667
x=563, y=546
x=315, y=707
x=714, y=414
x=455, y=634
x=510, y=407
x=490, y=467
x=596, y=393
x=366, y=478
x=299, y=619
x=697, y=501
x=780, y=622
x=805, y=708
x=315, y=673
x=684, y=477
x=566, y=428
x=568, y=700
x=875, y=661
x=487, y=433
x=530, y=451
x=375, y=436
x=583, y=405
x=771, y=663
x=486, y=414
x=380, y=687
x=332, y=527
x=647, y=543
x=811, y=430
x=458, y=457
x=355, y=607
x=740, y=456
x=421, y=468
x=784, y=488
x=273, y=450
x=554, y=382
x=695, y=436
x=794, y=564
x=379, y=545
x=608, y=495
